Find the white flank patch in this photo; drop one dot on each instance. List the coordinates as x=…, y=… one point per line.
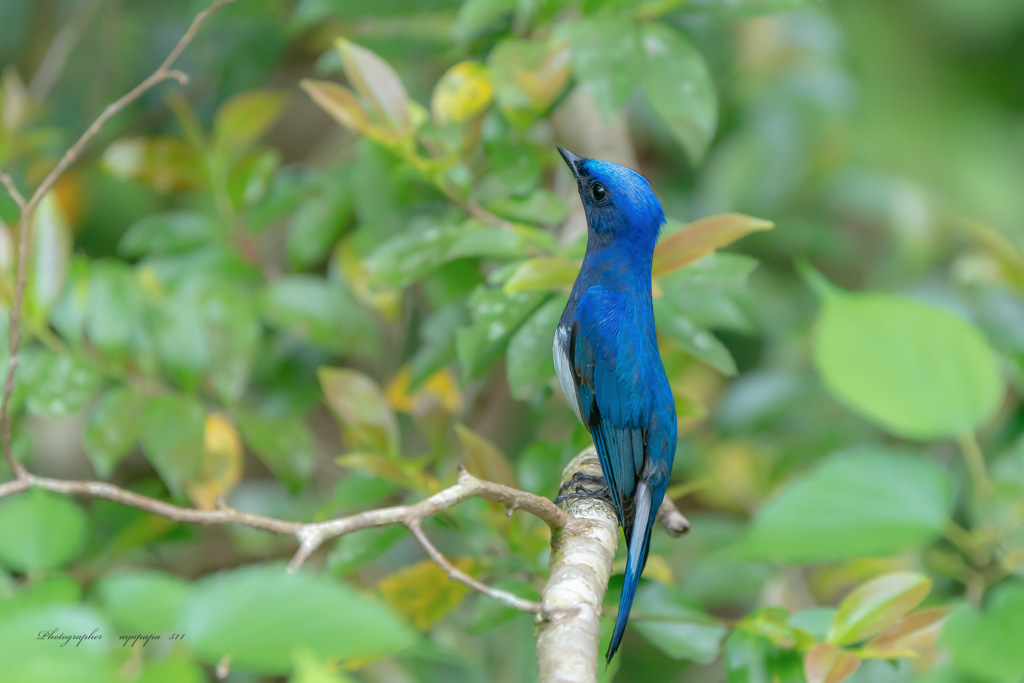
x=560, y=353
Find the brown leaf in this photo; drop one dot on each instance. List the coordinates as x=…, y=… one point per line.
x=375, y=80
x=910, y=636
x=825, y=663
x=483, y=459
x=338, y=101
x=700, y=238
x=361, y=408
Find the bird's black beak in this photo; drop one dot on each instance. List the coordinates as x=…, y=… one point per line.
x=570, y=160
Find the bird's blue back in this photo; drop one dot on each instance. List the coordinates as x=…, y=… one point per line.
x=606, y=355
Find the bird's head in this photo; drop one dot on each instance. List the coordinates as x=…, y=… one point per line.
x=619, y=202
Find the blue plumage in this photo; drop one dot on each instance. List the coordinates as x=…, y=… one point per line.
x=606, y=356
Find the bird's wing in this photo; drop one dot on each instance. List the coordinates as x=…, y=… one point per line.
x=607, y=355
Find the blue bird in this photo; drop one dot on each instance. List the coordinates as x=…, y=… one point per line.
x=607, y=361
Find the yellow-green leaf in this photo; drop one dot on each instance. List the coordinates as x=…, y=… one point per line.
x=910, y=636
x=164, y=164
x=423, y=592
x=245, y=117
x=483, y=459
x=221, y=467
x=548, y=272
x=876, y=605
x=361, y=408
x=51, y=253
x=826, y=663
x=463, y=92
x=379, y=466
x=339, y=102
x=702, y=237
x=374, y=79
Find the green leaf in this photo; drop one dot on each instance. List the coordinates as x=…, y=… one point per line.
x=746, y=8
x=986, y=645
x=60, y=384
x=318, y=222
x=864, y=501
x=362, y=409
x=540, y=207
x=175, y=325
x=665, y=618
x=246, y=117
x=546, y=272
x=172, y=438
x=40, y=593
x=169, y=670
x=528, y=77
x=697, y=341
x=112, y=429
x=413, y=254
x=751, y=658
x=489, y=613
x=528, y=363
x=476, y=15
x=914, y=369
x=232, y=334
x=69, y=311
x=319, y=312
x=292, y=612
x=496, y=316
x=283, y=444
x=39, y=530
x=679, y=87
x=353, y=551
x=174, y=232
x=607, y=58
x=143, y=600
x=500, y=244
x=876, y=605
x=114, y=306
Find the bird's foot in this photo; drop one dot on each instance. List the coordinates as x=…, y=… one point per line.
x=578, y=479
x=601, y=494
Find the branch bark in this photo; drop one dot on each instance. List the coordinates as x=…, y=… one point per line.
x=582, y=553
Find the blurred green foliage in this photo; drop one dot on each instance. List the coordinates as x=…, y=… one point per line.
x=233, y=295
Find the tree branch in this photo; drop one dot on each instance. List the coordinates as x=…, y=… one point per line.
x=312, y=535
x=163, y=73
x=581, y=562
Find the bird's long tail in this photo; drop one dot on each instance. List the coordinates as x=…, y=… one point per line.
x=639, y=542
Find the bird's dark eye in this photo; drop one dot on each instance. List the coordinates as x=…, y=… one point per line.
x=598, y=192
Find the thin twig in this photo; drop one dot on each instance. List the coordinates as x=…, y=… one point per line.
x=163, y=73
x=456, y=574
x=12, y=190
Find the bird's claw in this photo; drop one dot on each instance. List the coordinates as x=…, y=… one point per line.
x=580, y=478
x=601, y=494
